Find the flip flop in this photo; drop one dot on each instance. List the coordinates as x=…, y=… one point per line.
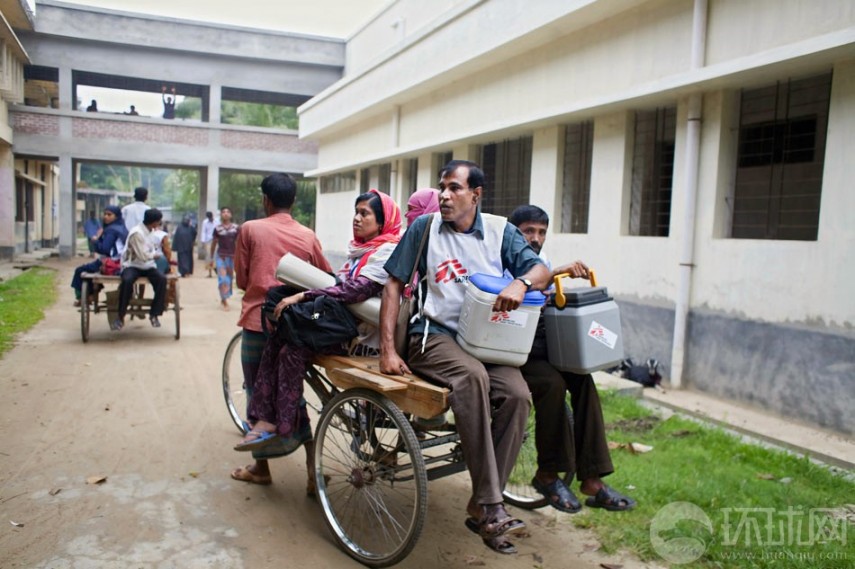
x=245, y=475
x=610, y=499
x=499, y=544
x=282, y=446
x=262, y=439
x=559, y=495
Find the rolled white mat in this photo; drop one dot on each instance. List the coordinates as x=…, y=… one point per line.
x=296, y=272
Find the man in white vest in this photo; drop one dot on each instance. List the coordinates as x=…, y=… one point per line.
x=490, y=402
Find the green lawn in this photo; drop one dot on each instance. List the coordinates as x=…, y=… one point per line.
x=753, y=507
x=23, y=300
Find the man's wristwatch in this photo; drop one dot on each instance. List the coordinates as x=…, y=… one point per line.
x=526, y=282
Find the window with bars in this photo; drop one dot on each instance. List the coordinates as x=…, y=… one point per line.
x=411, y=175
x=507, y=168
x=341, y=182
x=576, y=181
x=364, y=180
x=438, y=160
x=652, y=172
x=384, y=178
x=780, y=159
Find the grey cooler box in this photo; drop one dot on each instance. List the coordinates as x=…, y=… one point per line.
x=585, y=335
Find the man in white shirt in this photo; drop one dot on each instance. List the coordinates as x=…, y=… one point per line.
x=138, y=260
x=205, y=239
x=133, y=213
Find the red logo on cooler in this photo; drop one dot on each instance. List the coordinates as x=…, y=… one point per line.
x=597, y=332
x=449, y=270
x=500, y=316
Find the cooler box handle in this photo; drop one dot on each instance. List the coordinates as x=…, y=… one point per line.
x=560, y=299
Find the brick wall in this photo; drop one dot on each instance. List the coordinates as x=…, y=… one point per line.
x=141, y=132
x=32, y=123
x=267, y=142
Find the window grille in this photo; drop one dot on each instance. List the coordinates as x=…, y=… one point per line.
x=780, y=159
x=440, y=159
x=652, y=172
x=507, y=169
x=576, y=182
x=411, y=175
x=341, y=182
x=384, y=178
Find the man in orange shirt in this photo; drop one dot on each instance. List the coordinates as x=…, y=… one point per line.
x=261, y=243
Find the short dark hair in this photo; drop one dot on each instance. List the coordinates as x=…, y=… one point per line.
x=280, y=189
x=141, y=194
x=528, y=213
x=376, y=205
x=476, y=174
x=151, y=215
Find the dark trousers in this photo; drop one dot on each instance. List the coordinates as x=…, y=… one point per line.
x=490, y=405
x=126, y=289
x=77, y=280
x=574, y=444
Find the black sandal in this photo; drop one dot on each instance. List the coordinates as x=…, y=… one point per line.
x=559, y=495
x=499, y=544
x=610, y=499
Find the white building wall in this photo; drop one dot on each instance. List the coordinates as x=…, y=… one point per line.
x=488, y=71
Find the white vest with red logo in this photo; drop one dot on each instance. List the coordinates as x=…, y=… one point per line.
x=452, y=258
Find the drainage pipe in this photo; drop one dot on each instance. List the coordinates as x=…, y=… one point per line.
x=687, y=246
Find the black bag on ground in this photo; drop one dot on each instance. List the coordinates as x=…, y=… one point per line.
x=317, y=324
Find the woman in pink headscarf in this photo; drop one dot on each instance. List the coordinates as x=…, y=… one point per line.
x=425, y=200
x=276, y=412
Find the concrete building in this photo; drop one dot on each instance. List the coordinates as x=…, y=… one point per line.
x=67, y=46
x=698, y=153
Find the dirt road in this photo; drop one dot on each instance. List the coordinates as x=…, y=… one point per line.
x=146, y=412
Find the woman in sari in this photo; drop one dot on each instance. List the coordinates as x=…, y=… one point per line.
x=276, y=410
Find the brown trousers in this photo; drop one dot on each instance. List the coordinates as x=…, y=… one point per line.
x=574, y=444
x=490, y=405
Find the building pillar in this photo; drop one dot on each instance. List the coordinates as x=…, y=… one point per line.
x=66, y=90
x=67, y=208
x=210, y=191
x=545, y=188
x=7, y=203
x=215, y=101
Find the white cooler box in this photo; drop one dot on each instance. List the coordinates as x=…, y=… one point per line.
x=497, y=337
x=585, y=335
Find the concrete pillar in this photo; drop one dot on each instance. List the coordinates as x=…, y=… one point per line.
x=67, y=210
x=7, y=202
x=546, y=172
x=215, y=100
x=66, y=96
x=426, y=177
x=211, y=188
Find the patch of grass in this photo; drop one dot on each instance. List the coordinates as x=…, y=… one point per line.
x=767, y=508
x=23, y=301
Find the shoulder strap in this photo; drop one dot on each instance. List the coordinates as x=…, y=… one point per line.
x=420, y=251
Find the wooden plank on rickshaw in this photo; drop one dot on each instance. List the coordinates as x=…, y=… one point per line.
x=410, y=393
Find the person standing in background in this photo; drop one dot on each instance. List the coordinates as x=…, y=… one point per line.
x=91, y=227
x=133, y=212
x=205, y=238
x=183, y=242
x=168, y=104
x=223, y=244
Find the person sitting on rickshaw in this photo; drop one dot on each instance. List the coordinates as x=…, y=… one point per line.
x=108, y=243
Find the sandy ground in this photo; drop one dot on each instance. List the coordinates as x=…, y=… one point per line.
x=146, y=412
